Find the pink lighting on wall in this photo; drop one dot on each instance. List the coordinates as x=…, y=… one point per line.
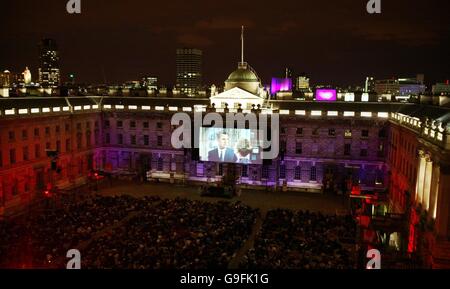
x=280, y=84
x=326, y=95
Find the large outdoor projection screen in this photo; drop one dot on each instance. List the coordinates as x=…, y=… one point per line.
x=229, y=145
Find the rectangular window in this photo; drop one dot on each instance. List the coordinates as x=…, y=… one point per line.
x=37, y=151
x=363, y=153
x=79, y=126
x=315, y=132
x=88, y=138
x=132, y=124
x=47, y=146
x=119, y=139
x=36, y=132
x=68, y=145
x=24, y=134
x=96, y=136
x=14, y=190
x=119, y=124
x=283, y=145
x=88, y=125
x=146, y=140
x=58, y=146
x=12, y=156
x=313, y=176
x=299, y=131
x=244, y=172
x=282, y=172
x=331, y=132
x=283, y=130
x=265, y=172
x=220, y=170
x=12, y=136
x=347, y=149
x=159, y=125
x=298, y=173
x=79, y=137
x=106, y=124
x=47, y=131
x=298, y=148
x=107, y=138
x=160, y=165
x=365, y=133
x=145, y=124
x=67, y=127
x=380, y=152
x=25, y=153
x=160, y=141
x=57, y=129
x=133, y=139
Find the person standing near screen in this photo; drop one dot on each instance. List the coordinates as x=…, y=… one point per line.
x=222, y=153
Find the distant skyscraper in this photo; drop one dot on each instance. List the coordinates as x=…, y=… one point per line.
x=369, y=85
x=288, y=73
x=49, y=74
x=302, y=83
x=189, y=70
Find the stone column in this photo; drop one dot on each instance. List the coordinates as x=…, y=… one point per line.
x=443, y=201
x=434, y=190
x=427, y=183
x=420, y=178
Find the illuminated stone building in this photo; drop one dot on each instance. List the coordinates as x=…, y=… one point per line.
x=397, y=153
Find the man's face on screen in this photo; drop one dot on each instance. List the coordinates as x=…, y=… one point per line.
x=222, y=141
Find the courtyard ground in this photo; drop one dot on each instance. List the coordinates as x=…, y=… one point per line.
x=264, y=200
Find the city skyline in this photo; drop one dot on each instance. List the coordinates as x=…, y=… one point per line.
x=94, y=51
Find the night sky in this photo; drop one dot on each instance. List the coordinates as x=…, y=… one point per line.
x=335, y=42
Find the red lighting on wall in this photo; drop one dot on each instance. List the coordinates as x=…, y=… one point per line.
x=356, y=190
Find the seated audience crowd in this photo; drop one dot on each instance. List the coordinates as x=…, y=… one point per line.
x=126, y=232
x=303, y=240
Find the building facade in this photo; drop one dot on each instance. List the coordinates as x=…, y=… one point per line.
x=397, y=151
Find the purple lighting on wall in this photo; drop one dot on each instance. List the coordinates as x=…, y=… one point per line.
x=326, y=95
x=280, y=84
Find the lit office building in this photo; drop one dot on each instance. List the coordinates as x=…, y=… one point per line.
x=401, y=86
x=369, y=85
x=189, y=70
x=49, y=74
x=441, y=88
x=302, y=83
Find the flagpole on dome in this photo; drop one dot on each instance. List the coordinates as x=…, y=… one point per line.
x=242, y=44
